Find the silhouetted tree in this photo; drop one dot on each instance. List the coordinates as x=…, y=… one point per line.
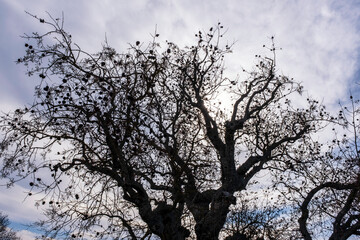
x=326, y=187
x=255, y=218
x=147, y=139
x=5, y=232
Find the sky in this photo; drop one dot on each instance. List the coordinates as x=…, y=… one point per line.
x=320, y=42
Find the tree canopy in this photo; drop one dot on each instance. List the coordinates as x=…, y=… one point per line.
x=145, y=144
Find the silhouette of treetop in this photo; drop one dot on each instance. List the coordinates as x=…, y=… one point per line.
x=145, y=138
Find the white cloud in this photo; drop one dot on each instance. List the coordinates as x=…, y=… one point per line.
x=19, y=208
x=26, y=235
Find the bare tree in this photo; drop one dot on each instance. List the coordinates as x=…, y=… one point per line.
x=326, y=192
x=255, y=217
x=143, y=139
x=5, y=232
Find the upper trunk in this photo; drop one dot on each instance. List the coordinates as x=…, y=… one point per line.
x=165, y=221
x=210, y=209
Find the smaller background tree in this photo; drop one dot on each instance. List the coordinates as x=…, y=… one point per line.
x=324, y=190
x=5, y=232
x=256, y=218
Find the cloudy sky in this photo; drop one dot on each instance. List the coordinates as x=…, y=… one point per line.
x=320, y=42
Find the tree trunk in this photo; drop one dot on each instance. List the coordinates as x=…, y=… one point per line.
x=210, y=226
x=165, y=221
x=210, y=210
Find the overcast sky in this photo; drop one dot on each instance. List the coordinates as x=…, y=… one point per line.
x=320, y=41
